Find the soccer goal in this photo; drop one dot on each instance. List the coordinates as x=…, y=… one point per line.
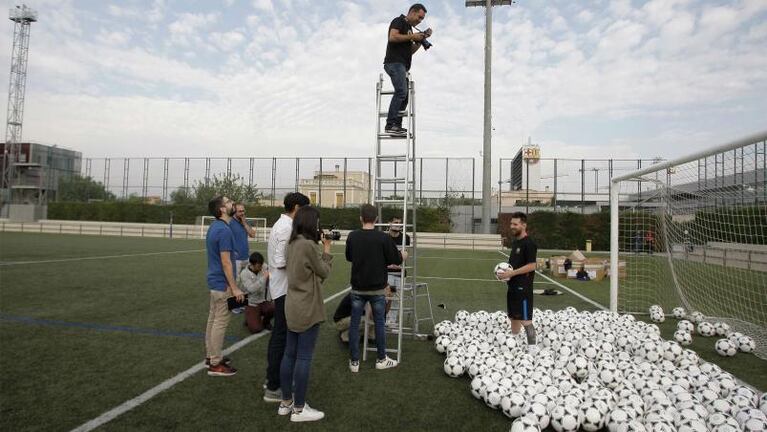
x=692, y=232
x=259, y=224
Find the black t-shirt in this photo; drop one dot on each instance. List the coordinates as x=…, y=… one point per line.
x=370, y=252
x=398, y=242
x=344, y=308
x=399, y=52
x=523, y=251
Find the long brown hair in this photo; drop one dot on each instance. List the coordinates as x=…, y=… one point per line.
x=306, y=223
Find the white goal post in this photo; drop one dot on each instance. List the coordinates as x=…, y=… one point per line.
x=259, y=224
x=692, y=232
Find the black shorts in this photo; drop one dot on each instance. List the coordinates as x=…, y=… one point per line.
x=519, y=303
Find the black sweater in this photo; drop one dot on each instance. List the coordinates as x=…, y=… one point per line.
x=370, y=251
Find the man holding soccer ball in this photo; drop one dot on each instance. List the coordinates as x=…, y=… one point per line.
x=519, y=278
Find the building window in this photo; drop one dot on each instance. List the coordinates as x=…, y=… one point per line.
x=313, y=198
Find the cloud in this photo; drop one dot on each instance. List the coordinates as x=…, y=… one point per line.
x=186, y=29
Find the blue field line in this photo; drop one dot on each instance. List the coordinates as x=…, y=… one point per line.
x=105, y=327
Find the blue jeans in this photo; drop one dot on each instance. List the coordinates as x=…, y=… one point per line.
x=398, y=75
x=378, y=304
x=296, y=364
x=276, y=348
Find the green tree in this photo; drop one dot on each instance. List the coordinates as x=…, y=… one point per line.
x=230, y=185
x=82, y=189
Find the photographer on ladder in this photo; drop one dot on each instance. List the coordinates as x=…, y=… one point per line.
x=403, y=43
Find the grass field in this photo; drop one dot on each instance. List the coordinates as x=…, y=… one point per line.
x=87, y=323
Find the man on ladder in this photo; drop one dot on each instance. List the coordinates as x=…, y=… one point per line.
x=403, y=43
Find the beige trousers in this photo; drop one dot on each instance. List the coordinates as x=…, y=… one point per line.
x=218, y=319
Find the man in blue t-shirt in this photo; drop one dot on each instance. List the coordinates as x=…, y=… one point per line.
x=241, y=230
x=219, y=243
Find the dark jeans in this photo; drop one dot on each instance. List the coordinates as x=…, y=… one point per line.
x=378, y=304
x=398, y=75
x=297, y=363
x=276, y=345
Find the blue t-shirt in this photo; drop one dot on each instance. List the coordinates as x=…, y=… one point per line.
x=240, y=240
x=219, y=239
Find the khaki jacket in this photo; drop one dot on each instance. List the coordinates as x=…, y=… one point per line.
x=307, y=268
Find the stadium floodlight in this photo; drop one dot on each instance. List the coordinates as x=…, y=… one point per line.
x=487, y=163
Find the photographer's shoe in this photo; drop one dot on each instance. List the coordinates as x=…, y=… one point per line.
x=306, y=414
x=284, y=410
x=272, y=396
x=354, y=366
x=386, y=363
x=395, y=130
x=221, y=370
x=226, y=360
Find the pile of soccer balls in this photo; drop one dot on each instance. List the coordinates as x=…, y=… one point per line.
x=591, y=370
x=685, y=328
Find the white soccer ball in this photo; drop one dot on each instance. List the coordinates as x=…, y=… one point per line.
x=565, y=418
x=683, y=337
x=657, y=316
x=655, y=308
x=454, y=366
x=501, y=268
x=721, y=328
x=685, y=325
x=525, y=424
x=717, y=420
x=725, y=347
x=754, y=424
x=746, y=344
x=538, y=411
x=617, y=417
x=462, y=317
x=441, y=343
x=706, y=329
x=513, y=404
x=696, y=317
x=493, y=396
x=678, y=312
x=476, y=386
x=632, y=426
x=592, y=418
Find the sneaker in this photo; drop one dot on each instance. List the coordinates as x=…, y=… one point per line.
x=284, y=410
x=221, y=370
x=395, y=130
x=386, y=363
x=306, y=414
x=226, y=360
x=354, y=366
x=272, y=396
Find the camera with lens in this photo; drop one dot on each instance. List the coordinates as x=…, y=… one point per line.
x=331, y=233
x=425, y=42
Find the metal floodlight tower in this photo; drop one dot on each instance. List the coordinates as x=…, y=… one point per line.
x=487, y=164
x=23, y=17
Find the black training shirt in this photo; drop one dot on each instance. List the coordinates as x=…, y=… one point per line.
x=523, y=251
x=370, y=252
x=399, y=52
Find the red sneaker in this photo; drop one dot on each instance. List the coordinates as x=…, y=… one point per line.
x=221, y=370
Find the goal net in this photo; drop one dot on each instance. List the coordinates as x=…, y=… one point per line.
x=259, y=224
x=693, y=233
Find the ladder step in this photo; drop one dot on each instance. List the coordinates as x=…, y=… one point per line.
x=387, y=92
x=401, y=114
x=392, y=158
x=394, y=137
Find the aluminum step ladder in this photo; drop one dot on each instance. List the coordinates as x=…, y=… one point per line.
x=394, y=187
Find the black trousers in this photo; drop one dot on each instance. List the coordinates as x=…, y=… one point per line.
x=277, y=342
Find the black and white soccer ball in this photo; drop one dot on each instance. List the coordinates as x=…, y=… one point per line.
x=477, y=386
x=685, y=325
x=754, y=424
x=454, y=366
x=633, y=426
x=696, y=317
x=746, y=414
x=578, y=367
x=722, y=329
x=716, y=420
x=678, y=312
x=525, y=424
x=565, y=418
x=462, y=317
x=706, y=329
x=513, y=404
x=725, y=348
x=657, y=316
x=683, y=337
x=501, y=267
x=539, y=412
x=441, y=343
x=492, y=395
x=617, y=417
x=746, y=344
x=592, y=417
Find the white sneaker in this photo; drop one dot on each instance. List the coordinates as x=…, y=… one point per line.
x=354, y=366
x=386, y=363
x=284, y=410
x=307, y=414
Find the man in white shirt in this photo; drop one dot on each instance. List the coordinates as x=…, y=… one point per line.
x=278, y=287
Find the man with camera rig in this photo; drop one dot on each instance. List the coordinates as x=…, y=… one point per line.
x=370, y=252
x=403, y=43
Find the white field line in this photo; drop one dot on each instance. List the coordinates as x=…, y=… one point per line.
x=167, y=384
x=579, y=295
x=467, y=279
x=12, y=263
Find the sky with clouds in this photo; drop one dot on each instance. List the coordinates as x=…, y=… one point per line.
x=596, y=78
